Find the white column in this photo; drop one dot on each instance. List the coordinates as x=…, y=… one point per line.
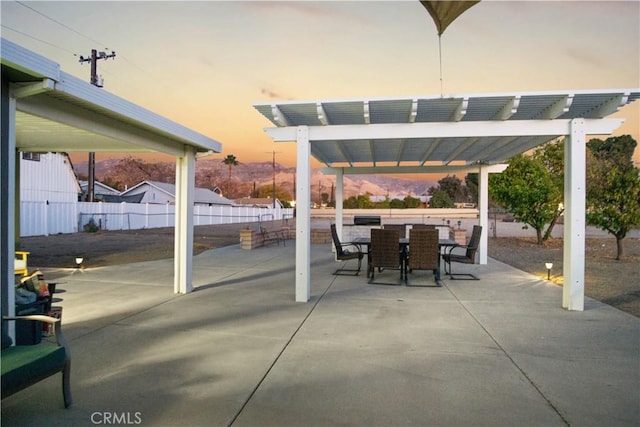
x=483, y=206
x=303, y=215
x=339, y=201
x=10, y=203
x=183, y=248
x=574, y=216
x=483, y=209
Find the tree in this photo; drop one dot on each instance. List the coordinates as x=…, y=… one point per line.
x=527, y=189
x=411, y=202
x=266, y=191
x=613, y=187
x=363, y=201
x=471, y=182
x=551, y=155
x=130, y=171
x=441, y=199
x=230, y=161
x=452, y=185
x=396, y=204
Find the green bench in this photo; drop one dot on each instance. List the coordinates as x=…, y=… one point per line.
x=25, y=365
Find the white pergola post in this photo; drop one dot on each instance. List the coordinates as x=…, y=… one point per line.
x=574, y=216
x=483, y=209
x=303, y=215
x=183, y=248
x=339, y=201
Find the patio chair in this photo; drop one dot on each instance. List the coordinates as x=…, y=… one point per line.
x=345, y=255
x=400, y=227
x=424, y=253
x=385, y=254
x=469, y=256
x=423, y=226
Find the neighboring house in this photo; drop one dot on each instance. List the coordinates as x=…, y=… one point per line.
x=163, y=193
x=102, y=192
x=264, y=202
x=47, y=177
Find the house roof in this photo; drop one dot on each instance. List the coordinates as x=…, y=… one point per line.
x=201, y=195
x=111, y=191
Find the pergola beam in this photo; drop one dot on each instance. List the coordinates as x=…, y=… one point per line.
x=382, y=170
x=479, y=129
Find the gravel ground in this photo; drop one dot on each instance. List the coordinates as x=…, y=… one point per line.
x=616, y=283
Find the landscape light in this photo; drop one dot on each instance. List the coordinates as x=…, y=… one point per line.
x=549, y=266
x=79, y=262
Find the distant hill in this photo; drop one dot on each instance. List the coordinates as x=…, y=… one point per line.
x=215, y=173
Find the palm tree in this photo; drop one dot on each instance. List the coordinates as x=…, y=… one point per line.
x=230, y=161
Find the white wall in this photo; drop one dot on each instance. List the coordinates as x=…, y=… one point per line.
x=49, y=179
x=42, y=218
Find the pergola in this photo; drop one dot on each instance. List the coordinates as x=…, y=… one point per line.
x=45, y=109
x=439, y=134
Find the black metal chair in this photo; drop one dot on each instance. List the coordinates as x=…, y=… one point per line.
x=385, y=254
x=424, y=253
x=469, y=256
x=345, y=255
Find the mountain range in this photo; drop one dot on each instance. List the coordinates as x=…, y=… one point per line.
x=216, y=173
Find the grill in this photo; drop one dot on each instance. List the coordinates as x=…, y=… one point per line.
x=366, y=220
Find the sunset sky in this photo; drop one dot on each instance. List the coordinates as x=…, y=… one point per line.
x=204, y=64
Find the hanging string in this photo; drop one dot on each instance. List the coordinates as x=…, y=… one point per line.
x=440, y=54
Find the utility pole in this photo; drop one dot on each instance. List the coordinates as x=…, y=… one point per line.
x=273, y=165
x=96, y=81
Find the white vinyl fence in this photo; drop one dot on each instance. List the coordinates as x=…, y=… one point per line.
x=45, y=218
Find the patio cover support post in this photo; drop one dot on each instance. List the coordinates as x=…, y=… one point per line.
x=574, y=216
x=183, y=248
x=7, y=202
x=483, y=207
x=339, y=202
x=303, y=215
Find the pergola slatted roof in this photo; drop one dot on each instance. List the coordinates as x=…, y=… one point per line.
x=440, y=150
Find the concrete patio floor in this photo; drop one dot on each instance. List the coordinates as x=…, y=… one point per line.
x=239, y=351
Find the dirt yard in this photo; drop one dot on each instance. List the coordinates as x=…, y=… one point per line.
x=616, y=283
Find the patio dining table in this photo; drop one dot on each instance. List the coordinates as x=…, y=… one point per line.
x=403, y=246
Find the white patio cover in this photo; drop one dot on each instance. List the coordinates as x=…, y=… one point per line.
x=45, y=109
x=437, y=134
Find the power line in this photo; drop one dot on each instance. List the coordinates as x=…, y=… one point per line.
x=274, y=178
x=72, y=30
x=36, y=39
x=59, y=23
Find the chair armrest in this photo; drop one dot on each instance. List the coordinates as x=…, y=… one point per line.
x=57, y=328
x=357, y=245
x=449, y=248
